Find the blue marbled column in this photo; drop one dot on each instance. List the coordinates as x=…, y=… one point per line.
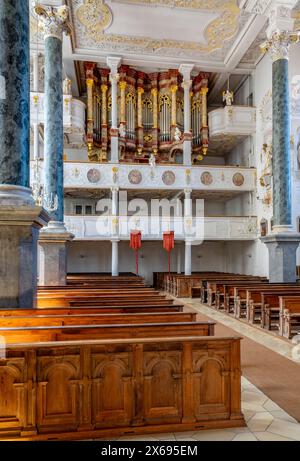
x=14, y=92
x=281, y=144
x=53, y=109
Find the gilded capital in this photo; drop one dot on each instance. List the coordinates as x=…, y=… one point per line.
x=122, y=85
x=89, y=82
x=204, y=90
x=104, y=88
x=53, y=21
x=279, y=44
x=154, y=91
x=140, y=90
x=174, y=88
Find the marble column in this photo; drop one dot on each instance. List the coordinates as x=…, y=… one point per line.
x=20, y=218
x=36, y=134
x=283, y=242
x=113, y=63
x=53, y=239
x=185, y=70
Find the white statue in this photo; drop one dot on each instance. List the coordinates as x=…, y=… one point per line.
x=152, y=161
x=228, y=97
x=67, y=84
x=177, y=134
x=122, y=131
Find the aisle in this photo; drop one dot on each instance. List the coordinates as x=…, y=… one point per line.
x=273, y=373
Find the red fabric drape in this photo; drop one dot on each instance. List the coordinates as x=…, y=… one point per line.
x=135, y=244
x=168, y=244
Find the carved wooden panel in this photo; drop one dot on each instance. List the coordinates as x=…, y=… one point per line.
x=162, y=402
x=112, y=392
x=12, y=394
x=57, y=391
x=211, y=384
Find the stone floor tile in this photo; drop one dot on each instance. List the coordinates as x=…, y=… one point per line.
x=285, y=429
x=268, y=437
x=269, y=405
x=281, y=414
x=245, y=437
x=219, y=434
x=260, y=422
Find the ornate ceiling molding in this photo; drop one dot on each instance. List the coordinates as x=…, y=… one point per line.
x=96, y=16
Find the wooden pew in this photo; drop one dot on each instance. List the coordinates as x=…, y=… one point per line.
x=94, y=319
x=109, y=388
x=175, y=307
x=289, y=319
x=263, y=305
x=216, y=288
x=107, y=331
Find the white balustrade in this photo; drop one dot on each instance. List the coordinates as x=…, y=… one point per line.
x=213, y=228
x=232, y=120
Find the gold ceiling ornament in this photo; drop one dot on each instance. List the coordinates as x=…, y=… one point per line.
x=95, y=16
x=220, y=29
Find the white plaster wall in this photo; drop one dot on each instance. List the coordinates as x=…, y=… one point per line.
x=96, y=257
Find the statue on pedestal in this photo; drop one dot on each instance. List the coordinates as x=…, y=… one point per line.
x=227, y=97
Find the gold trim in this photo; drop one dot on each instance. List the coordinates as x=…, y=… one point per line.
x=95, y=15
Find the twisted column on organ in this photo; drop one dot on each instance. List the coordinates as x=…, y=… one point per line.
x=174, y=89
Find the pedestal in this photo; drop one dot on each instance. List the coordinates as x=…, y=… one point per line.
x=20, y=221
x=187, y=152
x=53, y=254
x=114, y=156
x=282, y=256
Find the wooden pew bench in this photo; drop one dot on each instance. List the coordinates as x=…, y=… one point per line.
x=111, y=388
x=95, y=319
x=109, y=331
x=289, y=320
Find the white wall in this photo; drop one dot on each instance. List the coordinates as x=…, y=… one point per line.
x=96, y=257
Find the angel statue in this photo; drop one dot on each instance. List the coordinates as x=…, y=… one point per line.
x=152, y=161
x=122, y=131
x=228, y=97
x=67, y=85
x=177, y=134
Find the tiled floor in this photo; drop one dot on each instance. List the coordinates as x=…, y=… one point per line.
x=265, y=421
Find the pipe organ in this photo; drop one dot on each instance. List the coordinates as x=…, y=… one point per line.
x=150, y=110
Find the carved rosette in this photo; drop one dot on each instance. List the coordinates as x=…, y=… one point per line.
x=53, y=21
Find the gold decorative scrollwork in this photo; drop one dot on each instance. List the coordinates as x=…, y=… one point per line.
x=95, y=16
x=164, y=99
x=131, y=98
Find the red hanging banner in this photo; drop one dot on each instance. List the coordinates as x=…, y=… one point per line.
x=168, y=244
x=135, y=244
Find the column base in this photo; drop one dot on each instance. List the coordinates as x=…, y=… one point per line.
x=282, y=249
x=20, y=222
x=53, y=254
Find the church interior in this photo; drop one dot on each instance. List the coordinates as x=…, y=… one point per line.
x=150, y=220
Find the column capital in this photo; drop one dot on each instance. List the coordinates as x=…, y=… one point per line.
x=114, y=189
x=185, y=70
x=174, y=88
x=114, y=78
x=154, y=91
x=113, y=63
x=53, y=21
x=187, y=191
x=203, y=90
x=104, y=88
x=279, y=44
x=122, y=85
x=89, y=82
x=186, y=84
x=140, y=90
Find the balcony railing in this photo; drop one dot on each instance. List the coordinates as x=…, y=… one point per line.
x=232, y=120
x=73, y=115
x=197, y=229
